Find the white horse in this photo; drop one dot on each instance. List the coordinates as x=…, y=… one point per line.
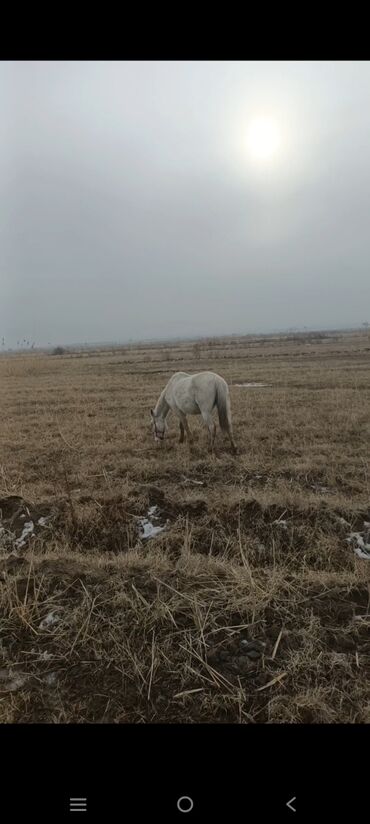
x=194, y=395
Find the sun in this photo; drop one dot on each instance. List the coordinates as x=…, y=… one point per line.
x=263, y=138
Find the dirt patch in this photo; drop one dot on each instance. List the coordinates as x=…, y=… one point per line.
x=272, y=532
x=340, y=605
x=254, y=512
x=21, y=522
x=101, y=627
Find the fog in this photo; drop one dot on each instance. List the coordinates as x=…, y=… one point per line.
x=131, y=206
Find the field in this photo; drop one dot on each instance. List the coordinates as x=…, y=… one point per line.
x=247, y=603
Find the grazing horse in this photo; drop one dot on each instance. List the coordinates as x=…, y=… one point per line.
x=194, y=395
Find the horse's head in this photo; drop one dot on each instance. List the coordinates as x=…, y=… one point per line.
x=159, y=427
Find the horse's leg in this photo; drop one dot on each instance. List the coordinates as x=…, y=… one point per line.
x=208, y=420
x=190, y=437
x=231, y=439
x=213, y=436
x=181, y=439
x=184, y=425
x=233, y=445
x=229, y=430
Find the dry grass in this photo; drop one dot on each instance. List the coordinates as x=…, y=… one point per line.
x=250, y=606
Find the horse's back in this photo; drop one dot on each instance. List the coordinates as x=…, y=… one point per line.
x=200, y=384
x=177, y=375
x=207, y=381
x=173, y=382
x=196, y=378
x=203, y=376
x=192, y=394
x=196, y=393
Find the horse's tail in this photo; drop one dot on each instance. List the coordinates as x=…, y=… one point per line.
x=223, y=406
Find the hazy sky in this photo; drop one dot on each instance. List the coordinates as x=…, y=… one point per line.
x=132, y=204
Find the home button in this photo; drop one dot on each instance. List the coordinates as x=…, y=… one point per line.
x=185, y=804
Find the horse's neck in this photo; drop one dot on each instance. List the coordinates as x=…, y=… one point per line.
x=162, y=408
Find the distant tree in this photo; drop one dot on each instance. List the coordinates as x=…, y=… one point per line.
x=196, y=350
x=58, y=350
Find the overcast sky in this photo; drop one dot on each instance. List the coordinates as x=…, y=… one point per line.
x=132, y=204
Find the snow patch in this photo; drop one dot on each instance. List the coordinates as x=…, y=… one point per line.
x=43, y=521
x=253, y=385
x=51, y=619
x=27, y=532
x=360, y=544
x=147, y=526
